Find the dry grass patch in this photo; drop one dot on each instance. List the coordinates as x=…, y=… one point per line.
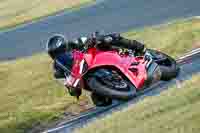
x=174, y=111
x=14, y=12
x=30, y=96
x=174, y=39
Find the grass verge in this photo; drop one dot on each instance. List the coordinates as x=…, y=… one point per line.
x=174, y=39
x=13, y=13
x=174, y=111
x=30, y=96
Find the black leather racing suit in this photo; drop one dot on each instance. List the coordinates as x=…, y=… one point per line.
x=105, y=42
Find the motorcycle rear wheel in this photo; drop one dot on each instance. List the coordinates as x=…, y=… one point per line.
x=168, y=66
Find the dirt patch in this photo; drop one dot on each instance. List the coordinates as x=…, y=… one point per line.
x=71, y=111
x=196, y=45
x=64, y=2
x=16, y=12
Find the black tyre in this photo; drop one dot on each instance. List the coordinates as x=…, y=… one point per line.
x=168, y=66
x=99, y=100
x=110, y=83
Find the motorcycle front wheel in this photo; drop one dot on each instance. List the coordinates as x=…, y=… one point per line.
x=110, y=83
x=99, y=100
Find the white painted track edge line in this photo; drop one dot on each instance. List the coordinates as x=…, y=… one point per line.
x=193, y=52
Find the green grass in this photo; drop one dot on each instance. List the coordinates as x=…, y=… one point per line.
x=30, y=96
x=174, y=39
x=174, y=111
x=15, y=12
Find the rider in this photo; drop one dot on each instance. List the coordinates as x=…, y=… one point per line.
x=59, y=49
x=105, y=42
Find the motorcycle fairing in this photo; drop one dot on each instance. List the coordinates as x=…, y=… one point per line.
x=132, y=67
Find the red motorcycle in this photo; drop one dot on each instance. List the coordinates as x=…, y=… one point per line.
x=117, y=74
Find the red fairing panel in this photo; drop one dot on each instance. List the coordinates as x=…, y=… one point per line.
x=76, y=73
x=124, y=63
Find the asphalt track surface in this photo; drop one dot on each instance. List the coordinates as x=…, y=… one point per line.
x=189, y=65
x=108, y=15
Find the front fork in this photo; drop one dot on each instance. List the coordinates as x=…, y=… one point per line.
x=73, y=82
x=73, y=86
